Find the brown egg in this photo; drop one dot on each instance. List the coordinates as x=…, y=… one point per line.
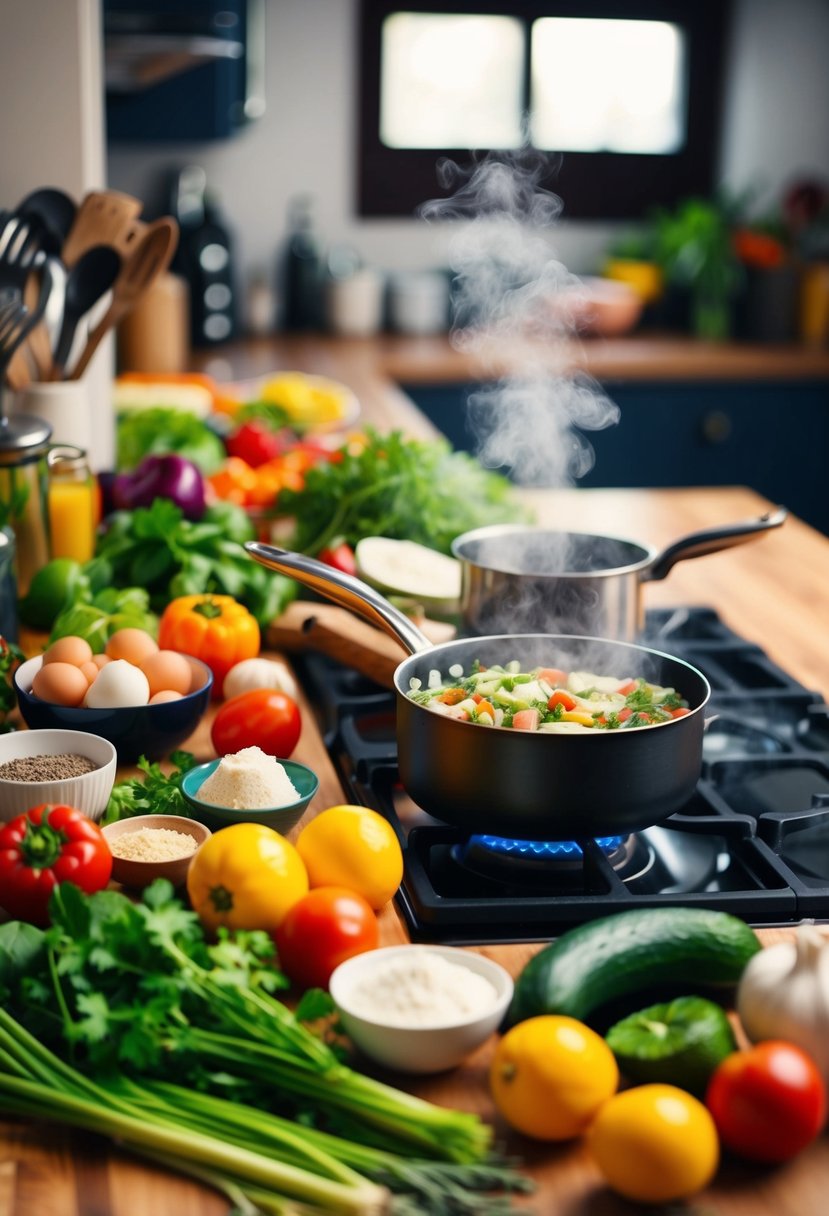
x=68, y=650
x=134, y=645
x=167, y=669
x=60, y=684
x=90, y=670
x=101, y=660
x=166, y=694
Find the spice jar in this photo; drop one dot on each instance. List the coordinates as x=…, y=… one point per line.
x=24, y=443
x=72, y=498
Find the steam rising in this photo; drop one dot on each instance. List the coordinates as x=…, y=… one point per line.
x=513, y=293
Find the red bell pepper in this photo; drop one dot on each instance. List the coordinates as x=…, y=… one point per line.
x=45, y=846
x=255, y=443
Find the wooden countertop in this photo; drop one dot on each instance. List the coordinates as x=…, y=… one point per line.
x=436, y=360
x=773, y=591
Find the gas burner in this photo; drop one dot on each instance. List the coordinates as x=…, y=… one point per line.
x=545, y=860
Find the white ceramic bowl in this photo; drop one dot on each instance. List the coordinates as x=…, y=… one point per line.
x=418, y=1049
x=88, y=793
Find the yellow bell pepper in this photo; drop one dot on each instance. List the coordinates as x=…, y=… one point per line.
x=246, y=877
x=576, y=715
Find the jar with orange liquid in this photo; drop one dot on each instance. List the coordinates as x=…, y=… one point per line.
x=73, y=504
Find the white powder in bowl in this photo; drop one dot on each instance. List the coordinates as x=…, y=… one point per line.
x=420, y=988
x=249, y=780
x=153, y=844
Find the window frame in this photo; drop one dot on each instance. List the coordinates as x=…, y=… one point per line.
x=393, y=182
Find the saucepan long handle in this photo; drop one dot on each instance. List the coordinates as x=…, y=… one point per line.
x=711, y=540
x=342, y=589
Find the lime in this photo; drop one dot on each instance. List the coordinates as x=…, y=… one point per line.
x=679, y=1043
x=54, y=585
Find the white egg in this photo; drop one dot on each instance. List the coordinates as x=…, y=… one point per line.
x=119, y=683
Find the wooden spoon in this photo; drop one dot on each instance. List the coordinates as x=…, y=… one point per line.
x=104, y=217
x=149, y=259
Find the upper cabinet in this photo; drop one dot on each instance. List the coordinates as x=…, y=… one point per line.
x=182, y=70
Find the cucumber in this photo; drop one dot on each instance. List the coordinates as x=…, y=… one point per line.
x=617, y=956
x=404, y=567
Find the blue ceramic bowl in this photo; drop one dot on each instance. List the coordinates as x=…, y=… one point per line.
x=280, y=818
x=134, y=730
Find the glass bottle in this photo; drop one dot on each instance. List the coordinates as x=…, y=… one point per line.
x=72, y=498
x=303, y=270
x=24, y=444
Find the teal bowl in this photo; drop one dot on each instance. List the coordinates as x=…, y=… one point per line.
x=280, y=818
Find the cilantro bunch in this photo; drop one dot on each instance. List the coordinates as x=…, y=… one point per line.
x=123, y=1019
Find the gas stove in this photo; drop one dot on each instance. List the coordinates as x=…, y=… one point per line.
x=753, y=840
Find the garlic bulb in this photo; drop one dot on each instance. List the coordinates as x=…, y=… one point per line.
x=259, y=673
x=784, y=994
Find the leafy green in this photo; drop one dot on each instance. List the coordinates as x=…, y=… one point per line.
x=407, y=489
x=161, y=430
x=10, y=656
x=157, y=548
x=96, y=619
x=158, y=793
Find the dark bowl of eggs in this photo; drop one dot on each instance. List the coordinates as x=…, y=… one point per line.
x=145, y=701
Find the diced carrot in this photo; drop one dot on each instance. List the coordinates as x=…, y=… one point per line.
x=627, y=688
x=553, y=675
x=452, y=696
x=679, y=712
x=563, y=699
x=484, y=707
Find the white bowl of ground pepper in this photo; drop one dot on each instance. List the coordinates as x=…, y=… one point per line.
x=147, y=847
x=67, y=767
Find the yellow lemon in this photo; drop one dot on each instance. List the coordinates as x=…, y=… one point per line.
x=655, y=1144
x=550, y=1075
x=353, y=847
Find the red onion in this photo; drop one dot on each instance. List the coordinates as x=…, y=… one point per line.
x=170, y=477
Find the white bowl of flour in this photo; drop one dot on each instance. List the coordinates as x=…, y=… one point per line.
x=420, y=1009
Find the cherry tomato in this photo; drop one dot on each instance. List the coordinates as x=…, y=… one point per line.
x=322, y=930
x=341, y=557
x=263, y=718
x=769, y=1102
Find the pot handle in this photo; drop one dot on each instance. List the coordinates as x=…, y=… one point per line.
x=343, y=589
x=711, y=540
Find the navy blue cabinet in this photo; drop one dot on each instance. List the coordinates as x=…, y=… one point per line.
x=773, y=437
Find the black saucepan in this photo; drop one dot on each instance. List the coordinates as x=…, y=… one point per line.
x=515, y=783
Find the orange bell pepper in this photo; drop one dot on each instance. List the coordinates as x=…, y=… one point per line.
x=214, y=628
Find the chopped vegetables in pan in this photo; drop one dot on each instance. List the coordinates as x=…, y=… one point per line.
x=547, y=699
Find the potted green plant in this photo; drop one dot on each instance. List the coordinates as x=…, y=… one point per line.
x=694, y=247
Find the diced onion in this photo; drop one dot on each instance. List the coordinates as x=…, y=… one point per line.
x=456, y=671
x=415, y=684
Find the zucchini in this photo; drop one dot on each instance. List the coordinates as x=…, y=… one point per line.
x=404, y=567
x=617, y=956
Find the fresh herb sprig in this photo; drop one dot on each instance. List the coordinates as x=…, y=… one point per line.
x=157, y=793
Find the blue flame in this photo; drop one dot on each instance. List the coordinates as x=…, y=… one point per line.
x=539, y=849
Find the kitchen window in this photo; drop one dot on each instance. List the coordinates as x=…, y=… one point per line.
x=620, y=100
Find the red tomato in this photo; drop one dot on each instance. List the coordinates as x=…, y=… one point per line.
x=261, y=718
x=526, y=719
x=341, y=557
x=322, y=930
x=43, y=847
x=769, y=1102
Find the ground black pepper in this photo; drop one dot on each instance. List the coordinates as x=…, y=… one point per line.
x=46, y=768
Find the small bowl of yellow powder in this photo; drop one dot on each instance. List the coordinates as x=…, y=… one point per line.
x=147, y=847
x=250, y=786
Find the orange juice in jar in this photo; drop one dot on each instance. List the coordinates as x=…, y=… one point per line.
x=73, y=504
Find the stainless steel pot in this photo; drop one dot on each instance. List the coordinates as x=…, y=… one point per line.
x=517, y=579
x=526, y=784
